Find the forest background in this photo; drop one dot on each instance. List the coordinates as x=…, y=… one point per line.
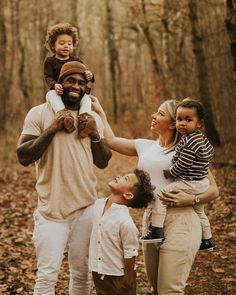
x=141, y=52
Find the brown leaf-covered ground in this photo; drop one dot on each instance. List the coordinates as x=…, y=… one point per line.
x=213, y=272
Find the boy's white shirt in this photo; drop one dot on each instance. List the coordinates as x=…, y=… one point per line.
x=114, y=237
x=58, y=105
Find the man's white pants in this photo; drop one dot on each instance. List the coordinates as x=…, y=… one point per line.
x=50, y=239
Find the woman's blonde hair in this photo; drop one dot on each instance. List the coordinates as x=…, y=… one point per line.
x=171, y=105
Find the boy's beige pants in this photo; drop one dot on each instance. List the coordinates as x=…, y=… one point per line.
x=168, y=264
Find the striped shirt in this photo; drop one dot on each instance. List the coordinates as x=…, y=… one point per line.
x=192, y=157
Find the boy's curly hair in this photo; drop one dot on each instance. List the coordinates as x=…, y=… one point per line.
x=142, y=190
x=60, y=29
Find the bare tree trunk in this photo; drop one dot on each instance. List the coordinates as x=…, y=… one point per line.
x=150, y=42
x=3, y=82
x=202, y=73
x=113, y=57
x=231, y=28
x=167, y=78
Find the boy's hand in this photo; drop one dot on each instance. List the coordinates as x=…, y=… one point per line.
x=58, y=88
x=127, y=282
x=167, y=173
x=126, y=286
x=88, y=75
x=129, y=275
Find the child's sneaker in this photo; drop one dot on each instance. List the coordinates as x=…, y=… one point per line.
x=207, y=245
x=154, y=235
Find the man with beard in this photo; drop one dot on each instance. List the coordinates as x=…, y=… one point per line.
x=65, y=183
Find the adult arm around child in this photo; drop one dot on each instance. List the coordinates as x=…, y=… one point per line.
x=181, y=199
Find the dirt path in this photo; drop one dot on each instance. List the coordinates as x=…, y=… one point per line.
x=213, y=273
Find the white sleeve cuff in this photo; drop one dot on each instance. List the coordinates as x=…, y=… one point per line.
x=129, y=253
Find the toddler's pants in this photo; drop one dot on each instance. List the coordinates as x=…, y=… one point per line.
x=189, y=187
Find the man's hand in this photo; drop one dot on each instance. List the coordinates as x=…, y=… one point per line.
x=87, y=127
x=58, y=88
x=58, y=122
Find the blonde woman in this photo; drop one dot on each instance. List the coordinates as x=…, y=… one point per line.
x=168, y=264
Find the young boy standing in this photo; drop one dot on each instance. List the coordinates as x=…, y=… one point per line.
x=189, y=169
x=61, y=40
x=114, y=243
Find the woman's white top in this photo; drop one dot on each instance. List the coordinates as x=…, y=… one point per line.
x=154, y=159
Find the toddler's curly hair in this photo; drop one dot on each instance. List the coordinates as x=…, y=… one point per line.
x=60, y=29
x=192, y=103
x=143, y=190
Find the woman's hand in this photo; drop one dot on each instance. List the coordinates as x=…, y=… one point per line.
x=177, y=199
x=96, y=106
x=181, y=199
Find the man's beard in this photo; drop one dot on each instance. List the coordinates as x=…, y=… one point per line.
x=71, y=101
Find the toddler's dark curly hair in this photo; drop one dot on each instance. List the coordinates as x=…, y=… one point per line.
x=192, y=103
x=60, y=29
x=142, y=190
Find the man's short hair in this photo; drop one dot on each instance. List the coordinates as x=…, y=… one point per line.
x=142, y=190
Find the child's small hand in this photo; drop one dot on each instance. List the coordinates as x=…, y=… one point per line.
x=58, y=88
x=88, y=75
x=167, y=173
